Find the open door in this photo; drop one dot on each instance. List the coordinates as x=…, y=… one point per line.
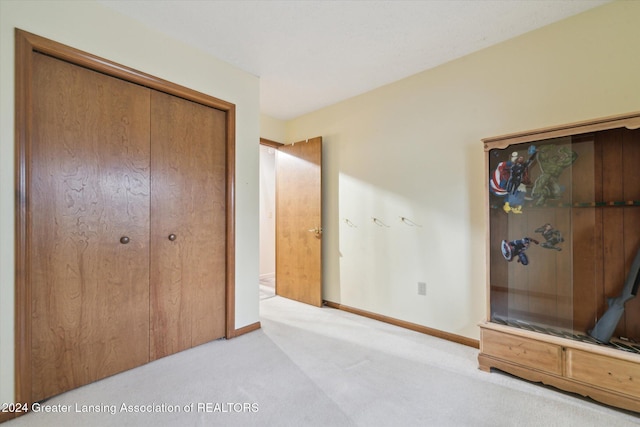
x=299, y=221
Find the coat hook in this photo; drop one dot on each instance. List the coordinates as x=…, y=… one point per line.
x=379, y=222
x=349, y=223
x=409, y=222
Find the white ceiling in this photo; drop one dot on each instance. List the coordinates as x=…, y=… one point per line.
x=310, y=54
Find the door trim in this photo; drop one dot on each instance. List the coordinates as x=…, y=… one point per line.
x=269, y=143
x=25, y=44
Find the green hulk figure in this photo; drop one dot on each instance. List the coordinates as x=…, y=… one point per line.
x=552, y=160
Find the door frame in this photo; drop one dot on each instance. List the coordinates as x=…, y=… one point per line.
x=277, y=146
x=25, y=44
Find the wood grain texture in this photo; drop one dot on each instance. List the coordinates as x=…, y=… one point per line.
x=631, y=224
x=498, y=273
x=230, y=300
x=619, y=375
x=23, y=113
x=569, y=288
x=600, y=219
x=26, y=45
x=535, y=354
x=602, y=373
x=540, y=292
x=612, y=223
x=586, y=282
x=189, y=200
x=585, y=238
x=298, y=210
x=270, y=143
x=89, y=187
x=88, y=60
x=629, y=120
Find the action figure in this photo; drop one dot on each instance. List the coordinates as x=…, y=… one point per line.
x=519, y=172
x=517, y=248
x=551, y=236
x=500, y=176
x=552, y=163
x=510, y=180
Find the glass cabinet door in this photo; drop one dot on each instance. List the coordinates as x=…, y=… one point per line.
x=564, y=228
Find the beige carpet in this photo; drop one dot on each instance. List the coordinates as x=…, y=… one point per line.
x=267, y=287
x=312, y=366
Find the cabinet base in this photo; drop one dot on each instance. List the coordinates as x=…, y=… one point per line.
x=603, y=376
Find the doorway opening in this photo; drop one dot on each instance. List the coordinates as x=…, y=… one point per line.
x=267, y=280
x=291, y=219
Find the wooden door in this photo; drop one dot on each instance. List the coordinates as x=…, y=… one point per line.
x=188, y=224
x=89, y=188
x=299, y=221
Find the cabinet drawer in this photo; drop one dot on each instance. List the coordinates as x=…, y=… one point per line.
x=523, y=351
x=614, y=374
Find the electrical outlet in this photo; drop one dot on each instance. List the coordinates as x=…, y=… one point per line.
x=422, y=288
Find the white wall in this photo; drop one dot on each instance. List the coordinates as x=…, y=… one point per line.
x=93, y=28
x=273, y=129
x=412, y=149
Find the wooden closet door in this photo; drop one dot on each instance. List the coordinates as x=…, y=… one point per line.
x=188, y=208
x=89, y=187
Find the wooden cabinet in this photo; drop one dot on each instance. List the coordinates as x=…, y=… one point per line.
x=123, y=238
x=604, y=374
x=563, y=229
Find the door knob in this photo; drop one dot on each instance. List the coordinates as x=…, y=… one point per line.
x=317, y=231
x=124, y=240
x=172, y=237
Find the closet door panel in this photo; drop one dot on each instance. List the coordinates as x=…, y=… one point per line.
x=188, y=243
x=89, y=187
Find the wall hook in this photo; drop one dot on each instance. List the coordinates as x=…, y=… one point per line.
x=349, y=223
x=379, y=222
x=409, y=222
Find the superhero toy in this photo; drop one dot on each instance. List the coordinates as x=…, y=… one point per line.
x=516, y=249
x=551, y=236
x=552, y=160
x=510, y=180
